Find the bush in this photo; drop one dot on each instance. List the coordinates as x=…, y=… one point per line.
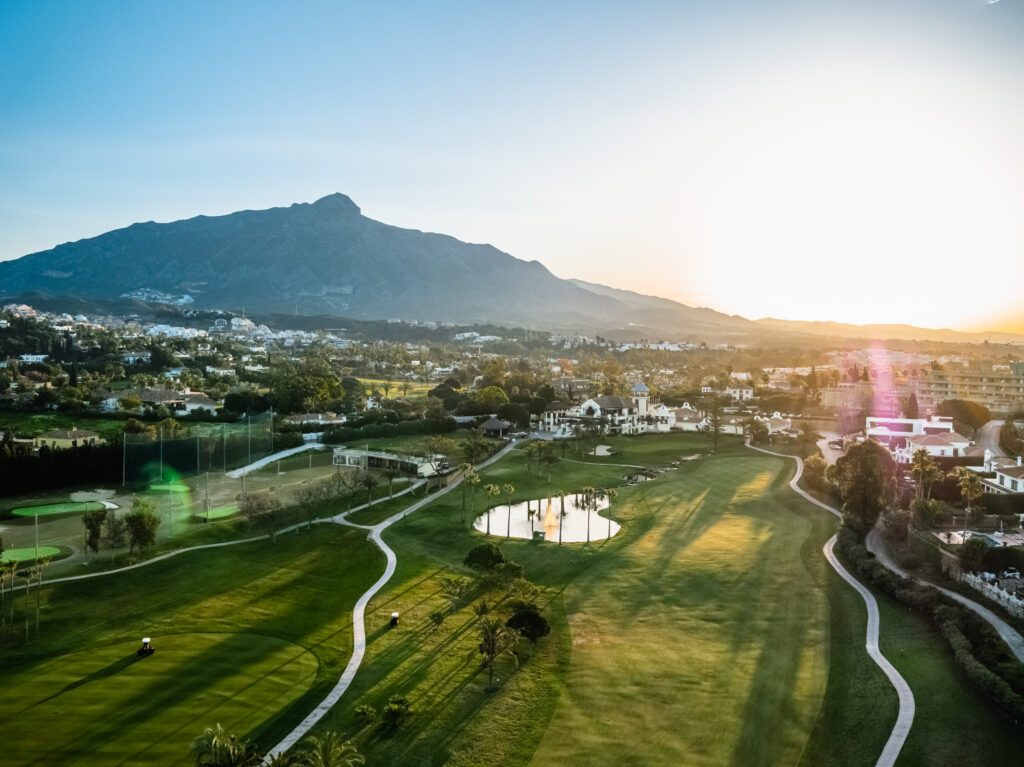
x=484, y=557
x=365, y=714
x=395, y=712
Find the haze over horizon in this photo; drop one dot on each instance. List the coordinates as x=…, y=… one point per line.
x=853, y=162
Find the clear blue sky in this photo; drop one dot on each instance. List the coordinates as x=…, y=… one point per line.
x=780, y=159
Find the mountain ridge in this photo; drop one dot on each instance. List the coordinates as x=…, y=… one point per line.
x=326, y=257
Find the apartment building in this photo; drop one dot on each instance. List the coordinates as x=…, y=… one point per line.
x=1000, y=390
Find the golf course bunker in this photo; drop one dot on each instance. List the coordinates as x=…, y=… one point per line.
x=544, y=515
x=107, y=705
x=68, y=507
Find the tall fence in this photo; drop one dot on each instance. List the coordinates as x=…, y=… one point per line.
x=161, y=455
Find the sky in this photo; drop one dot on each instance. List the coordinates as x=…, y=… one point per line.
x=856, y=161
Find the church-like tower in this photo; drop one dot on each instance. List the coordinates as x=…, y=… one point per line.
x=641, y=398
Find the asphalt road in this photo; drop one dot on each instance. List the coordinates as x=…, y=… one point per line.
x=988, y=437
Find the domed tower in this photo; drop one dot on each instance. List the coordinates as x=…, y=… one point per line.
x=641, y=398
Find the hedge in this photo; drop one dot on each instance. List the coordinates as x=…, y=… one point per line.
x=977, y=648
x=372, y=431
x=1002, y=505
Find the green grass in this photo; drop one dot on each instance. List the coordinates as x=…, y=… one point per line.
x=278, y=621
x=33, y=424
x=702, y=604
x=417, y=390
x=221, y=512
x=709, y=631
x=29, y=553
x=68, y=507
x=105, y=705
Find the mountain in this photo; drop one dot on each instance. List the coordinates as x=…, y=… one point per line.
x=327, y=258
x=840, y=330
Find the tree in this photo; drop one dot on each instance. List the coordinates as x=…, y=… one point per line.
x=141, y=523
x=329, y=750
x=970, y=484
x=925, y=472
x=117, y=530
x=484, y=557
x=911, y=410
x=814, y=471
x=972, y=554
x=866, y=476
x=515, y=413
x=897, y=524
x=476, y=446
x=396, y=712
x=967, y=416
x=491, y=491
x=93, y=521
x=368, y=482
x=758, y=431
x=435, y=450
x=391, y=473
x=129, y=402
x=217, y=748
x=527, y=620
x=490, y=398
x=713, y=411
x=508, y=490
x=496, y=640
x=454, y=589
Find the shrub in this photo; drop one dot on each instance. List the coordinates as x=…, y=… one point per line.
x=365, y=714
x=396, y=712
x=484, y=557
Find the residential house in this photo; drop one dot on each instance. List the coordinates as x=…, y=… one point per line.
x=62, y=439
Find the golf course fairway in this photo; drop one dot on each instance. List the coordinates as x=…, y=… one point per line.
x=105, y=705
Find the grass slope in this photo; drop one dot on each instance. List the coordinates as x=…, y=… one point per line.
x=295, y=596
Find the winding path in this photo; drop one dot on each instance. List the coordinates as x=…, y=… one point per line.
x=359, y=612
x=1009, y=634
x=905, y=717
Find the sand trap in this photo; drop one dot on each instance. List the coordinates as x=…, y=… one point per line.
x=601, y=450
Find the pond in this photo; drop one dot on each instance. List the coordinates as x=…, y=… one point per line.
x=545, y=515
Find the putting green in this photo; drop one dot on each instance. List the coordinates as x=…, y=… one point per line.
x=68, y=507
x=28, y=554
x=169, y=487
x=105, y=705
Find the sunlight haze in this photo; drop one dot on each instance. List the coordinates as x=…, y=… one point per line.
x=836, y=161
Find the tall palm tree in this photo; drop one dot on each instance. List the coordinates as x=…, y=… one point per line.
x=472, y=479
x=611, y=494
x=924, y=471
x=970, y=485
x=331, y=751
x=467, y=471
x=508, y=490
x=491, y=491
x=368, y=482
x=561, y=517
x=588, y=498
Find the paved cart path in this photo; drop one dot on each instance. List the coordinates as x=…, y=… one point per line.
x=905, y=717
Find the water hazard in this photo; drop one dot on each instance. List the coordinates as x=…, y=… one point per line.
x=559, y=519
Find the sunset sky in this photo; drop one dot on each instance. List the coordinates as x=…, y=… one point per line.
x=858, y=161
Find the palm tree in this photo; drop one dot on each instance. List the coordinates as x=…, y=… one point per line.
x=508, y=490
x=41, y=564
x=561, y=517
x=611, y=494
x=588, y=496
x=496, y=639
x=217, y=748
x=925, y=472
x=548, y=457
x=331, y=751
x=970, y=485
x=368, y=482
x=472, y=479
x=467, y=471
x=391, y=473
x=491, y=491
x=285, y=759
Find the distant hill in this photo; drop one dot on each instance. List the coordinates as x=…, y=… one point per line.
x=326, y=258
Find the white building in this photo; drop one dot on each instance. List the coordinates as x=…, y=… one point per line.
x=895, y=432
